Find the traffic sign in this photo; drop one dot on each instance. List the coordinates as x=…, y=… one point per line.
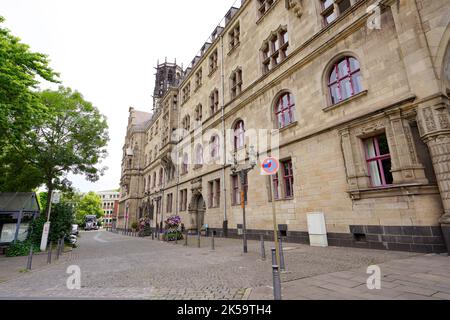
x=270, y=166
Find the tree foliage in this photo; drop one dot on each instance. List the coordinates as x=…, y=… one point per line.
x=90, y=204
x=20, y=70
x=71, y=138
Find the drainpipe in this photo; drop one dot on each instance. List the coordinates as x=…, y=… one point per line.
x=222, y=71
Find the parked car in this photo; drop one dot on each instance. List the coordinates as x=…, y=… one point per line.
x=75, y=230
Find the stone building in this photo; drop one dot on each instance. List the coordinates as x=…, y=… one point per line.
x=357, y=93
x=110, y=206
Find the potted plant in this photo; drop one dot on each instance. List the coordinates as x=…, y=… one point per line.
x=134, y=226
x=172, y=229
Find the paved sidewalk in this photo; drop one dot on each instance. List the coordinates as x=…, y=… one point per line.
x=417, y=278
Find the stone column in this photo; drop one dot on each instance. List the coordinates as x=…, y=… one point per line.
x=434, y=125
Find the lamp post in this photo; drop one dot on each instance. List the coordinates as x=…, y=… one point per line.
x=243, y=173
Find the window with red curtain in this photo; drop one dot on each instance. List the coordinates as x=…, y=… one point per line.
x=345, y=79
x=288, y=177
x=239, y=135
x=285, y=110
x=379, y=161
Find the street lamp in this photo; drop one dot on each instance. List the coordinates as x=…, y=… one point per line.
x=243, y=172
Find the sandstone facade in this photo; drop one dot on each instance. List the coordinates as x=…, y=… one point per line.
x=398, y=94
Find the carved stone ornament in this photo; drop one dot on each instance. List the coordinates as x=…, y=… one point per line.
x=296, y=6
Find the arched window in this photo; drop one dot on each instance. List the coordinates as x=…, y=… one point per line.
x=239, y=135
x=214, y=147
x=199, y=155
x=344, y=80
x=285, y=110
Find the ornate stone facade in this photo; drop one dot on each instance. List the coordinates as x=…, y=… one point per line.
x=361, y=113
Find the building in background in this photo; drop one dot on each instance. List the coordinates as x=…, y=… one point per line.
x=110, y=206
x=358, y=93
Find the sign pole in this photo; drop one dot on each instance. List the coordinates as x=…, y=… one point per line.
x=270, y=167
x=46, y=229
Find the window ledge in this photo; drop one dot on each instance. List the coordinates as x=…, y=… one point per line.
x=211, y=73
x=261, y=18
x=394, y=191
x=289, y=126
x=348, y=100
x=233, y=49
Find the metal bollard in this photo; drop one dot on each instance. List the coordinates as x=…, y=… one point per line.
x=153, y=235
x=263, y=249
x=276, y=277
x=58, y=249
x=49, y=255
x=30, y=258
x=61, y=248
x=212, y=242
x=199, y=240
x=282, y=264
x=186, y=239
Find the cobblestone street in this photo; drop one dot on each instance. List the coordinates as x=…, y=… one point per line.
x=118, y=267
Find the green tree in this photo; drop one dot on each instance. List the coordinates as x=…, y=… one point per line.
x=90, y=204
x=71, y=139
x=20, y=107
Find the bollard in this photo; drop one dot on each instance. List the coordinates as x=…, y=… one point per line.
x=153, y=235
x=282, y=264
x=176, y=238
x=49, y=255
x=186, y=239
x=263, y=249
x=61, y=248
x=212, y=242
x=58, y=249
x=30, y=258
x=199, y=240
x=276, y=277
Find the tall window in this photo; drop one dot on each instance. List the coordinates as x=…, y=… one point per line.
x=186, y=92
x=217, y=193
x=234, y=36
x=213, y=62
x=169, y=203
x=161, y=176
x=199, y=156
x=198, y=78
x=214, y=101
x=345, y=79
x=239, y=135
x=185, y=164
x=379, y=161
x=275, y=50
x=331, y=9
x=236, y=190
x=199, y=113
x=214, y=147
x=285, y=187
x=264, y=6
x=236, y=83
x=285, y=110
x=154, y=179
x=183, y=200
x=186, y=123
x=211, y=194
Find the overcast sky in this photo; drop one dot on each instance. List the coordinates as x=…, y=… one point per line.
x=107, y=49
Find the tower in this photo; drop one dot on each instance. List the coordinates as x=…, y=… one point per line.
x=167, y=75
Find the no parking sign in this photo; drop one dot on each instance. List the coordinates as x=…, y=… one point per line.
x=270, y=166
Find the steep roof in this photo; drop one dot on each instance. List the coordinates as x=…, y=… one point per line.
x=14, y=202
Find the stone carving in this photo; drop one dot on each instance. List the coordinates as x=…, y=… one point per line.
x=296, y=6
x=411, y=148
x=429, y=120
x=443, y=118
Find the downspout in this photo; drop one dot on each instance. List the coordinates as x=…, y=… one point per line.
x=224, y=188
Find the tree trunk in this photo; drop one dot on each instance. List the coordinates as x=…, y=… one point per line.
x=48, y=207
